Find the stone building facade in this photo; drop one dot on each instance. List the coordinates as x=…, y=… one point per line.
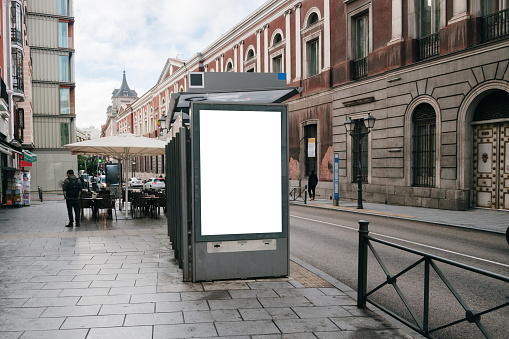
x=434, y=74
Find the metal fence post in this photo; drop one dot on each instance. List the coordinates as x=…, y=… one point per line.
x=362, y=265
x=305, y=194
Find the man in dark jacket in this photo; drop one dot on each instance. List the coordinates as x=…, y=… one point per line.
x=72, y=192
x=312, y=182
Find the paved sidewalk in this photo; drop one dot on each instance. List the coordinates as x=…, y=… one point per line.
x=483, y=219
x=111, y=280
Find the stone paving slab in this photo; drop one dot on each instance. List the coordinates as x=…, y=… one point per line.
x=112, y=280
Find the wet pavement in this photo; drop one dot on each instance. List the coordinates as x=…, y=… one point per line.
x=119, y=279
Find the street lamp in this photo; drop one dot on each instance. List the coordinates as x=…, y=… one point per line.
x=354, y=128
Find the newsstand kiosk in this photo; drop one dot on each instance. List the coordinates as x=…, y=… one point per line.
x=227, y=173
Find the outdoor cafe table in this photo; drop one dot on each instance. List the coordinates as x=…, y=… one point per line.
x=95, y=204
x=151, y=204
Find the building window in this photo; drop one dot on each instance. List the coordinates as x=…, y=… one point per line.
x=229, y=67
x=250, y=54
x=363, y=153
x=312, y=50
x=313, y=18
x=63, y=65
x=429, y=42
x=63, y=34
x=361, y=46
x=65, y=100
x=63, y=7
x=424, y=146
x=277, y=64
x=310, y=148
x=495, y=22
x=17, y=70
x=64, y=133
x=277, y=39
x=16, y=20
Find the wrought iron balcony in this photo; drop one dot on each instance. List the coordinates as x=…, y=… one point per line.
x=495, y=26
x=360, y=68
x=428, y=46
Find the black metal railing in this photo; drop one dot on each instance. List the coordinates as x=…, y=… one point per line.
x=428, y=46
x=297, y=192
x=360, y=68
x=420, y=325
x=3, y=92
x=16, y=36
x=495, y=26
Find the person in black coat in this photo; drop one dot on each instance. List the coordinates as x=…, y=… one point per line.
x=312, y=182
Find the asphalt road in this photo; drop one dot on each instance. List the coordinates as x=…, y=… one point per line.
x=328, y=240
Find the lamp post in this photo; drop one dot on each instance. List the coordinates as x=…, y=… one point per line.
x=162, y=121
x=354, y=128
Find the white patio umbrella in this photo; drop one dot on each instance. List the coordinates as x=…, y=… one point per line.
x=122, y=147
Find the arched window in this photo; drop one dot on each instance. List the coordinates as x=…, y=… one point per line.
x=250, y=54
x=313, y=18
x=424, y=146
x=229, y=67
x=277, y=39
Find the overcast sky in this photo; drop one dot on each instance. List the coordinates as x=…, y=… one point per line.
x=140, y=35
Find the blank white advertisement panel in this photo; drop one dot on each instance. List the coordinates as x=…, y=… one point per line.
x=240, y=170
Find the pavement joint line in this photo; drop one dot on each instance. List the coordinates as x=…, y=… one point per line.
x=367, y=211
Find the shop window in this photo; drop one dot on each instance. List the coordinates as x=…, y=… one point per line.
x=424, y=146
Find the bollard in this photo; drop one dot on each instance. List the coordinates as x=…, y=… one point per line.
x=362, y=265
x=40, y=192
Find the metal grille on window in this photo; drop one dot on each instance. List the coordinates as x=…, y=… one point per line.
x=364, y=155
x=424, y=146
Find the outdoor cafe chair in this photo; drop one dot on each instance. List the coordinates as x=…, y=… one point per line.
x=107, y=204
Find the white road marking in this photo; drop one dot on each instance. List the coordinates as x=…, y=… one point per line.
x=403, y=240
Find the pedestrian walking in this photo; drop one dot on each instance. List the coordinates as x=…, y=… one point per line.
x=312, y=182
x=72, y=192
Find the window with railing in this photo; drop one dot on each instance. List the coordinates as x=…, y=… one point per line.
x=4, y=94
x=64, y=68
x=428, y=44
x=361, y=46
x=65, y=100
x=424, y=146
x=16, y=23
x=495, y=25
x=17, y=70
x=63, y=34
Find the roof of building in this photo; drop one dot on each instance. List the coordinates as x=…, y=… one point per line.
x=124, y=90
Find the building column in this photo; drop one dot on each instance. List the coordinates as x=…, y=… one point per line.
x=241, y=44
x=235, y=60
x=222, y=62
x=326, y=35
x=397, y=22
x=258, y=51
x=459, y=11
x=298, y=43
x=266, y=48
x=288, y=48
x=217, y=64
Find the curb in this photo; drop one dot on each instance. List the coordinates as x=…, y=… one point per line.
x=393, y=216
x=353, y=294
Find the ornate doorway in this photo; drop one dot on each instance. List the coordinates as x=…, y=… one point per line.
x=491, y=157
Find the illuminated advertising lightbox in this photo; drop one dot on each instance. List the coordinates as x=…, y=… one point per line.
x=240, y=171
